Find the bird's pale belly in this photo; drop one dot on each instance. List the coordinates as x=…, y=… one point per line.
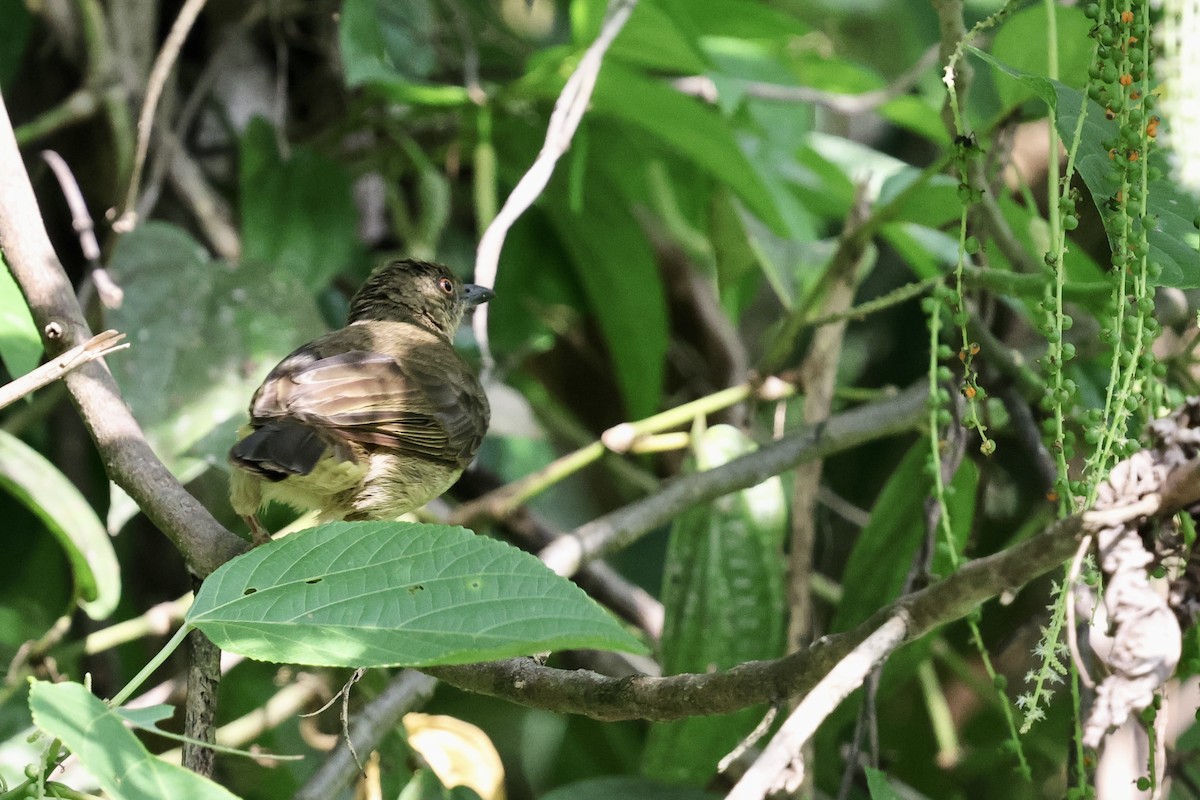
x=384, y=487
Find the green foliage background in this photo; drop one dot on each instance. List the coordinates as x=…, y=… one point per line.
x=693, y=216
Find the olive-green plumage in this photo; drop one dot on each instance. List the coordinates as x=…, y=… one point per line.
x=372, y=420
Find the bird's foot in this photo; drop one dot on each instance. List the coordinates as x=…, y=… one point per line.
x=258, y=534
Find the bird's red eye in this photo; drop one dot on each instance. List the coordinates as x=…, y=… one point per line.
x=446, y=285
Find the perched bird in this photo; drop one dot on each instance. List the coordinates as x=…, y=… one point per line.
x=372, y=420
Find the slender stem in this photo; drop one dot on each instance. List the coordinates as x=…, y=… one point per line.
x=154, y=664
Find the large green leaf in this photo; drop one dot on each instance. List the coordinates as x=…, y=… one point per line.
x=366, y=594
x=31, y=478
x=650, y=38
x=97, y=736
x=1173, y=240
x=297, y=213
x=616, y=268
x=686, y=127
x=381, y=40
x=391, y=47
x=723, y=598
x=20, y=344
x=1021, y=43
x=736, y=19
x=204, y=335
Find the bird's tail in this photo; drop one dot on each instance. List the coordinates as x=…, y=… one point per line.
x=279, y=449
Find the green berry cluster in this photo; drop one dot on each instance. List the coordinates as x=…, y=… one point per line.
x=1120, y=83
x=965, y=151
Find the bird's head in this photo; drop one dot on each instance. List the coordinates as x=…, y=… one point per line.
x=429, y=295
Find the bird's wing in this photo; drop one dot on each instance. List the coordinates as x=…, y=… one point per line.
x=424, y=405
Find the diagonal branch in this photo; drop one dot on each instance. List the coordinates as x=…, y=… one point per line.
x=128, y=458
x=581, y=692
x=619, y=528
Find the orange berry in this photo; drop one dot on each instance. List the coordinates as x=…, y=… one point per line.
x=1127, y=17
x=969, y=392
x=1125, y=79
x=974, y=348
x=1135, y=95
x=1134, y=155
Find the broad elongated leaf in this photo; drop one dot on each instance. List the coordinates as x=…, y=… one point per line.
x=363, y=594
x=714, y=19
x=32, y=479
x=1012, y=46
x=650, y=38
x=723, y=597
x=616, y=268
x=685, y=126
x=20, y=344
x=390, y=47
x=97, y=735
x=1173, y=239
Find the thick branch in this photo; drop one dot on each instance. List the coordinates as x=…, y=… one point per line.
x=128, y=459
x=581, y=692
x=621, y=527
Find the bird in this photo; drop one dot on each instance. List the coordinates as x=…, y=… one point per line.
x=375, y=419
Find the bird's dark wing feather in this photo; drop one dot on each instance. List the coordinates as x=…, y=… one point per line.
x=410, y=406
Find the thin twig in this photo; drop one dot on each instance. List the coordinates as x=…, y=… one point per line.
x=568, y=112
x=846, y=430
x=407, y=691
x=159, y=73
x=206, y=204
x=98, y=346
x=470, y=56
x=779, y=766
x=79, y=105
x=128, y=458
x=850, y=104
x=110, y=294
x=502, y=502
x=818, y=377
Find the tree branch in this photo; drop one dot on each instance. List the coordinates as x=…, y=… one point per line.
x=619, y=528
x=581, y=692
x=128, y=458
